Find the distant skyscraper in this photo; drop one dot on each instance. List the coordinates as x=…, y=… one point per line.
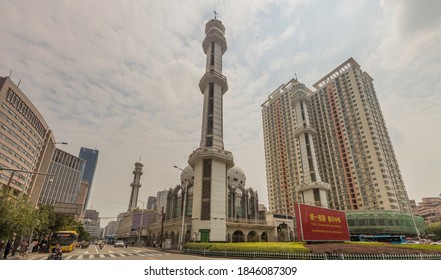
x=91, y=158
x=64, y=186
x=353, y=150
x=161, y=200
x=92, y=223
x=136, y=184
x=151, y=203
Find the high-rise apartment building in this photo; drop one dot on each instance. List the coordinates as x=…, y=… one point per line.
x=91, y=158
x=291, y=164
x=356, y=156
x=353, y=148
x=282, y=175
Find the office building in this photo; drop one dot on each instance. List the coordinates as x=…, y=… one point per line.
x=64, y=186
x=161, y=200
x=151, y=203
x=91, y=158
x=26, y=142
x=92, y=223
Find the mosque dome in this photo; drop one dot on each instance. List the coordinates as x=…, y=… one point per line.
x=236, y=177
x=187, y=174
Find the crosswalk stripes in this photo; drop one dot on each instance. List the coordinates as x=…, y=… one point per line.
x=85, y=255
x=99, y=256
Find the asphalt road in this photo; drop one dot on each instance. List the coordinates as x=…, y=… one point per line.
x=117, y=253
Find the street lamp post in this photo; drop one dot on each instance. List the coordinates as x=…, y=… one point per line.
x=162, y=226
x=183, y=209
x=414, y=224
x=8, y=185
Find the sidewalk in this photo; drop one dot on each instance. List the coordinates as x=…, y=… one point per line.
x=18, y=257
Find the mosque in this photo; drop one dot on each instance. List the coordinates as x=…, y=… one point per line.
x=218, y=205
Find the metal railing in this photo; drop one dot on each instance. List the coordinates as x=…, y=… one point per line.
x=310, y=256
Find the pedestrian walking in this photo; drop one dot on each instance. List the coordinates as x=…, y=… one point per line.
x=7, y=249
x=24, y=248
x=31, y=246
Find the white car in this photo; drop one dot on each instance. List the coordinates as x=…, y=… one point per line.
x=118, y=243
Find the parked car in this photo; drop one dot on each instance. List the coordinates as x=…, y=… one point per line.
x=118, y=243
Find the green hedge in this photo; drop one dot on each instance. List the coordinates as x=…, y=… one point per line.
x=250, y=247
x=411, y=246
x=421, y=246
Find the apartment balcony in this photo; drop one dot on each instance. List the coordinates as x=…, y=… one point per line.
x=305, y=129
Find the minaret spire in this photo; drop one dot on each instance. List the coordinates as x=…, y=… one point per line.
x=213, y=85
x=135, y=186
x=210, y=161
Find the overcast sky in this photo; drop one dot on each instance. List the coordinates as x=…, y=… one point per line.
x=122, y=77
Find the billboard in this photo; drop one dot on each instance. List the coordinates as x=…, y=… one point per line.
x=320, y=224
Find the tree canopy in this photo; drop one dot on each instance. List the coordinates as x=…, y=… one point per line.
x=18, y=218
x=434, y=229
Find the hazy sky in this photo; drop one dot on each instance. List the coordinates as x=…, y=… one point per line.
x=122, y=77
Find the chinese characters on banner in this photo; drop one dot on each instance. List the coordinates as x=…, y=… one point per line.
x=320, y=224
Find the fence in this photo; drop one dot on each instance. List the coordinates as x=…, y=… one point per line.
x=308, y=256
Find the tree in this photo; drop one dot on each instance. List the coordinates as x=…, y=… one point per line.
x=16, y=216
x=45, y=220
x=434, y=229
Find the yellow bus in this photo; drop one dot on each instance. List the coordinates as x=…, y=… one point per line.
x=67, y=239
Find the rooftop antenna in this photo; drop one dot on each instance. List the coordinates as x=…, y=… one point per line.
x=19, y=83
x=10, y=74
x=215, y=14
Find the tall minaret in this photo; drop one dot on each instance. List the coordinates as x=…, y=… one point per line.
x=210, y=161
x=135, y=186
x=312, y=190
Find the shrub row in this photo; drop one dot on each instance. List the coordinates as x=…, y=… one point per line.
x=250, y=247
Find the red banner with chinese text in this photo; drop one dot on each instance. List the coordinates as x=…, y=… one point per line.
x=320, y=224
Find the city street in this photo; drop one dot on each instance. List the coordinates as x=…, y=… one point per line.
x=111, y=253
